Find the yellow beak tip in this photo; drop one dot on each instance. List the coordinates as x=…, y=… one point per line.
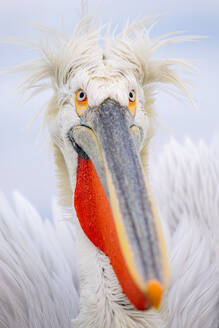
x=155, y=292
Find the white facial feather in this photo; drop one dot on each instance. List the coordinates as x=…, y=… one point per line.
x=124, y=62
x=76, y=62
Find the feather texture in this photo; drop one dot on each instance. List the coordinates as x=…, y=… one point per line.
x=125, y=54
x=38, y=264
x=186, y=188
x=38, y=272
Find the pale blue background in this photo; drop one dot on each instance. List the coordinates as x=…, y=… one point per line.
x=24, y=163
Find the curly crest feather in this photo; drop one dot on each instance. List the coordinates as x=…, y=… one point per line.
x=129, y=52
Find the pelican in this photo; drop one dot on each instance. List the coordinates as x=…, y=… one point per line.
x=112, y=262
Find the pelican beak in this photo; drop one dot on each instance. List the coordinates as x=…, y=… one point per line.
x=114, y=204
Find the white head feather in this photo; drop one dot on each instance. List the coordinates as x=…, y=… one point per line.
x=110, y=69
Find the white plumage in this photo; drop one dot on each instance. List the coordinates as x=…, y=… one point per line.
x=38, y=265
x=40, y=272
x=188, y=198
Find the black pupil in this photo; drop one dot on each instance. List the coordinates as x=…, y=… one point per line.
x=130, y=95
x=81, y=94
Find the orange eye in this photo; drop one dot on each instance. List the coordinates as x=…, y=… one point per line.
x=81, y=101
x=132, y=102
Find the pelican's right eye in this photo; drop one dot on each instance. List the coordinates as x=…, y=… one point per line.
x=132, y=102
x=81, y=101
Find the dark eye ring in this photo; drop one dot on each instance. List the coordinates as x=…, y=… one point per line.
x=132, y=95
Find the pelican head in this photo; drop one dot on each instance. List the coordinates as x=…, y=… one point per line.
x=100, y=123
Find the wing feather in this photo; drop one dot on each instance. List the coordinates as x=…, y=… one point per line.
x=186, y=186
x=39, y=285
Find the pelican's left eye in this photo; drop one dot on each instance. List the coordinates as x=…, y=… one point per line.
x=132, y=95
x=81, y=95
x=132, y=102
x=81, y=101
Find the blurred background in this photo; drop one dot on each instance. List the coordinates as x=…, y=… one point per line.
x=25, y=163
